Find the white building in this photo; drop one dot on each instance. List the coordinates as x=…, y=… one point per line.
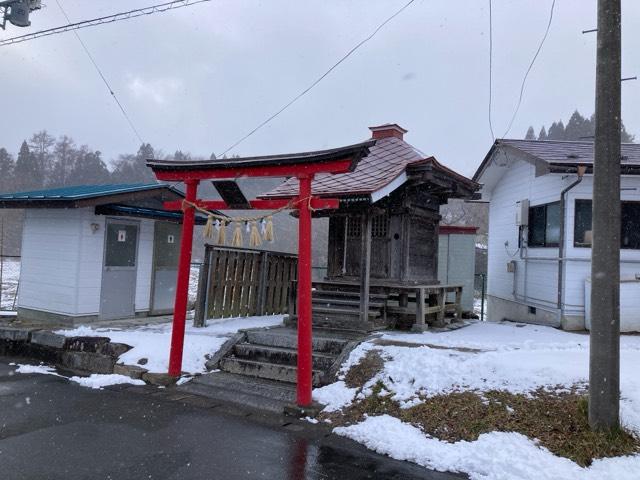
x=539, y=257
x=97, y=252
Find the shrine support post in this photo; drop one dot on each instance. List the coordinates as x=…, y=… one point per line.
x=305, y=350
x=182, y=285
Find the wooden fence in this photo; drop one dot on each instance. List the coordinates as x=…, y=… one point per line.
x=242, y=282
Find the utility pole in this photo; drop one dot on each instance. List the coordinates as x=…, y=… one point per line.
x=604, y=361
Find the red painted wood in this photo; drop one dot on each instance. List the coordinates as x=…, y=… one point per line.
x=305, y=352
x=182, y=285
x=316, y=204
x=334, y=166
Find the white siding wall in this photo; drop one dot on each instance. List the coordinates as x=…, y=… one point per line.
x=89, y=268
x=536, y=285
x=578, y=265
x=536, y=279
x=50, y=251
x=62, y=259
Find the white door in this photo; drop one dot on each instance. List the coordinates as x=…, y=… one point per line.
x=117, y=297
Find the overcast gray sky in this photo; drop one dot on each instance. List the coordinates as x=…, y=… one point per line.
x=199, y=78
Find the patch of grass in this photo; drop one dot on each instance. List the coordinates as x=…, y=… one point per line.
x=558, y=421
x=367, y=368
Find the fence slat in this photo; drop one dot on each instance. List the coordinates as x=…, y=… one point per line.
x=245, y=282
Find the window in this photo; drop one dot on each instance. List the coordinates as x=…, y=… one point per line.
x=630, y=225
x=544, y=225
x=354, y=226
x=380, y=226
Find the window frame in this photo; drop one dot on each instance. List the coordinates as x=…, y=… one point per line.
x=590, y=202
x=544, y=244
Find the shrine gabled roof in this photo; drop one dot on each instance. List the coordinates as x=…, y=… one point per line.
x=387, y=164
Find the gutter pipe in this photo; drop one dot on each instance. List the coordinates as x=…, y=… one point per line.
x=561, y=247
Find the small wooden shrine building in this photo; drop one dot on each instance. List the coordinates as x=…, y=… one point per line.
x=384, y=235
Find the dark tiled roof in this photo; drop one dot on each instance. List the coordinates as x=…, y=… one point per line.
x=561, y=156
x=387, y=159
x=569, y=152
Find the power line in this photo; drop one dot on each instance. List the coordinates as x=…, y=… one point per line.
x=160, y=8
x=319, y=79
x=524, y=79
x=490, y=68
x=104, y=79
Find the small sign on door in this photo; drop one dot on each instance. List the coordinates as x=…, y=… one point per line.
x=171, y=239
x=122, y=235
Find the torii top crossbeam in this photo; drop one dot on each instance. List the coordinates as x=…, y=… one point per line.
x=303, y=166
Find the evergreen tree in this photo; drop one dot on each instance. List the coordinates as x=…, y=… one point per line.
x=543, y=134
x=88, y=168
x=28, y=173
x=213, y=156
x=7, y=165
x=531, y=134
x=556, y=131
x=181, y=157
x=133, y=168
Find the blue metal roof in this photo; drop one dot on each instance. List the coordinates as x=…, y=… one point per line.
x=80, y=192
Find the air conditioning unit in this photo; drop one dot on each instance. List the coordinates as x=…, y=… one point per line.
x=522, y=213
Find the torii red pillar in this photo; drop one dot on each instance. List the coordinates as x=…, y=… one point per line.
x=182, y=284
x=305, y=341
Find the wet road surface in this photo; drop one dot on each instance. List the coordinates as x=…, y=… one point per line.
x=52, y=429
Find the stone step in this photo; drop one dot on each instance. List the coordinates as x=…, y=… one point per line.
x=287, y=338
x=281, y=373
x=346, y=302
x=279, y=355
x=242, y=390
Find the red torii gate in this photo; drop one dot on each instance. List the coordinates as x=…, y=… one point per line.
x=303, y=166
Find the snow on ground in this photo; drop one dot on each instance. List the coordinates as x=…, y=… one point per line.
x=152, y=341
x=495, y=455
x=10, y=277
x=481, y=357
x=98, y=381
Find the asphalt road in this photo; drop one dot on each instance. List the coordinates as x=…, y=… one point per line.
x=54, y=429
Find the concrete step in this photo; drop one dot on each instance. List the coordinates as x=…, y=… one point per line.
x=281, y=373
x=239, y=389
x=355, y=302
x=287, y=338
x=279, y=355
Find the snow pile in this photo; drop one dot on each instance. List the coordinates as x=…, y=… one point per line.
x=151, y=342
x=493, y=456
x=97, y=381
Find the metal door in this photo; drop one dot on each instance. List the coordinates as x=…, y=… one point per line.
x=117, y=297
x=166, y=251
